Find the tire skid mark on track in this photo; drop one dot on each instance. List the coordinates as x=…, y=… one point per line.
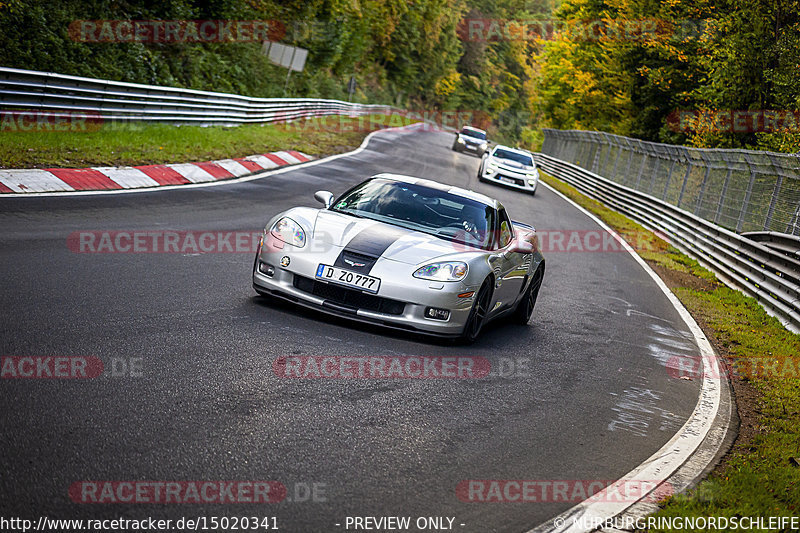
x=683, y=445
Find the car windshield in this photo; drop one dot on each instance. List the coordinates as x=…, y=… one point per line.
x=469, y=132
x=421, y=208
x=524, y=159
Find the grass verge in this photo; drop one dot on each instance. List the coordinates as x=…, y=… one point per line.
x=760, y=476
x=144, y=144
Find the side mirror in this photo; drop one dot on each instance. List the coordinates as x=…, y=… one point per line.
x=523, y=243
x=324, y=197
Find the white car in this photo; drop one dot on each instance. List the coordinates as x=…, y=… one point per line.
x=510, y=166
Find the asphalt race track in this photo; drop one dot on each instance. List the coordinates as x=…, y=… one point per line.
x=580, y=394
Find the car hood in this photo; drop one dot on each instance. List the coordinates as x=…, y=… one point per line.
x=508, y=163
x=377, y=239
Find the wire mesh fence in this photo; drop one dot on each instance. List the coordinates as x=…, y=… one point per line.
x=742, y=190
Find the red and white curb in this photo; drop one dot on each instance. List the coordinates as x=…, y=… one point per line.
x=111, y=178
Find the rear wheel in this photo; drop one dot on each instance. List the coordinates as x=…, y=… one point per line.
x=522, y=314
x=480, y=310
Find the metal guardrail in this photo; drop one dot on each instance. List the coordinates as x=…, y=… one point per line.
x=768, y=275
x=742, y=190
x=114, y=101
x=787, y=244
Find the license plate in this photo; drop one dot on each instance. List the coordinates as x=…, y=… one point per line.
x=507, y=180
x=345, y=277
x=470, y=147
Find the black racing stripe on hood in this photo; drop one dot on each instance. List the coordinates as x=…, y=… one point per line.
x=363, y=250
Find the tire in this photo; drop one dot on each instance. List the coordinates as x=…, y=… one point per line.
x=479, y=313
x=522, y=313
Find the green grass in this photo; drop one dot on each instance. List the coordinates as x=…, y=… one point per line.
x=761, y=474
x=141, y=144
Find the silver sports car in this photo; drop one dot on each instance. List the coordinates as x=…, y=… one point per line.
x=406, y=253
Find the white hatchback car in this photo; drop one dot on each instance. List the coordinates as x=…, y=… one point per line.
x=510, y=166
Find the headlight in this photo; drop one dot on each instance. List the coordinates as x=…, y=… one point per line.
x=460, y=140
x=289, y=231
x=448, y=271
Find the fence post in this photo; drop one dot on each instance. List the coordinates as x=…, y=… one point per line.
x=722, y=195
x=653, y=177
x=597, y=151
x=616, y=161
x=641, y=170
x=746, y=202
x=685, y=179
x=669, y=178
x=628, y=168
x=702, y=189
x=773, y=202
x=608, y=153
x=793, y=228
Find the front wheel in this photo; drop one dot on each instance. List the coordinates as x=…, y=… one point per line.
x=522, y=314
x=480, y=310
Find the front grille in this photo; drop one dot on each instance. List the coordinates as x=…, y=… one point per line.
x=349, y=297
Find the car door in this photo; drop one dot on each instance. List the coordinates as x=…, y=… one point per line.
x=508, y=266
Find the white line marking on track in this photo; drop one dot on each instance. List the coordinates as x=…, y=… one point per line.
x=662, y=464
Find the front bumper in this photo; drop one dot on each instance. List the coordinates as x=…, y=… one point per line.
x=478, y=149
x=511, y=178
x=397, y=305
